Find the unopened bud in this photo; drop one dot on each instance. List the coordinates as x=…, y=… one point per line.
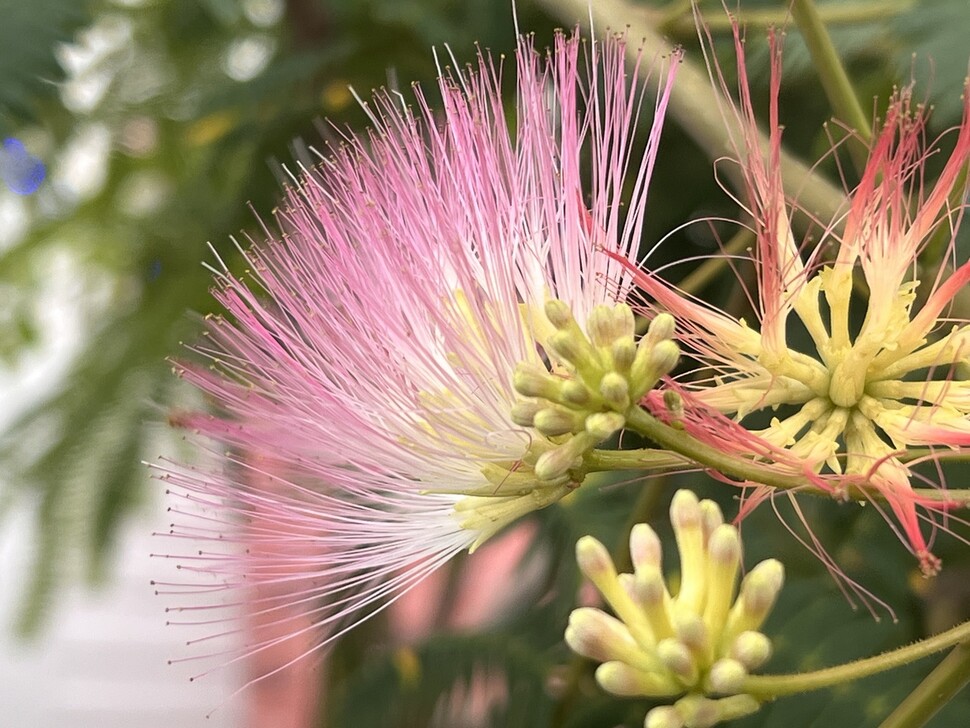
x=554, y=421
x=663, y=716
x=692, y=632
x=685, y=510
x=558, y=313
x=594, y=560
x=625, y=681
x=574, y=392
x=756, y=598
x=711, y=515
x=554, y=464
x=761, y=586
x=650, y=594
x=624, y=323
x=599, y=326
x=734, y=707
x=698, y=711
x=598, y=636
x=674, y=404
x=616, y=391
x=645, y=550
x=603, y=424
x=726, y=676
x=663, y=358
x=574, y=348
x=724, y=559
x=677, y=657
x=531, y=380
x=685, y=517
x=524, y=412
x=751, y=649
x=662, y=327
x=623, y=351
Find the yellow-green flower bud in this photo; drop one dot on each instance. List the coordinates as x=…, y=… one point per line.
x=711, y=516
x=599, y=325
x=663, y=358
x=650, y=593
x=645, y=551
x=532, y=380
x=574, y=392
x=554, y=421
x=558, y=313
x=678, y=658
x=698, y=711
x=674, y=404
x=751, y=649
x=623, y=351
x=663, y=716
x=603, y=424
x=685, y=517
x=726, y=676
x=693, y=634
x=524, y=412
x=555, y=463
x=594, y=560
x=661, y=328
x=756, y=598
x=615, y=391
x=696, y=645
x=723, y=562
x=621, y=679
x=598, y=636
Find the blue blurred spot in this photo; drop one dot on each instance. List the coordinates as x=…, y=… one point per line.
x=22, y=171
x=154, y=269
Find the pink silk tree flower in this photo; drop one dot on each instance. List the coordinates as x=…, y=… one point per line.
x=852, y=407
x=363, y=377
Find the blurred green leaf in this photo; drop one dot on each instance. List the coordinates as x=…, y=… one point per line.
x=29, y=71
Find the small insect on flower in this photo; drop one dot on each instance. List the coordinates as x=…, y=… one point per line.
x=364, y=375
x=870, y=395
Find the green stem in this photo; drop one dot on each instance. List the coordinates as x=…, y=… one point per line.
x=678, y=442
x=835, y=80
x=698, y=108
x=936, y=690
x=831, y=14
x=708, y=456
x=773, y=686
x=599, y=461
x=954, y=498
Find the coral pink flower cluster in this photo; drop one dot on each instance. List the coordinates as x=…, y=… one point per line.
x=852, y=405
x=364, y=375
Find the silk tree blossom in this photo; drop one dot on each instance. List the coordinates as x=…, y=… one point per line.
x=850, y=406
x=364, y=374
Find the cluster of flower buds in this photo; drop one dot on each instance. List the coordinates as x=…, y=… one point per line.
x=700, y=644
x=596, y=377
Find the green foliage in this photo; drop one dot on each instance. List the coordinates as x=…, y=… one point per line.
x=29, y=71
x=434, y=684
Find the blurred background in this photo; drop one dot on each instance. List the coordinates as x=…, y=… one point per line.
x=139, y=131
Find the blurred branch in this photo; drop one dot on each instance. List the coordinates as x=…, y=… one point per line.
x=835, y=80
x=679, y=20
x=698, y=107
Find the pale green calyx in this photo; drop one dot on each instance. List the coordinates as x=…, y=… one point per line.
x=593, y=380
x=698, y=645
